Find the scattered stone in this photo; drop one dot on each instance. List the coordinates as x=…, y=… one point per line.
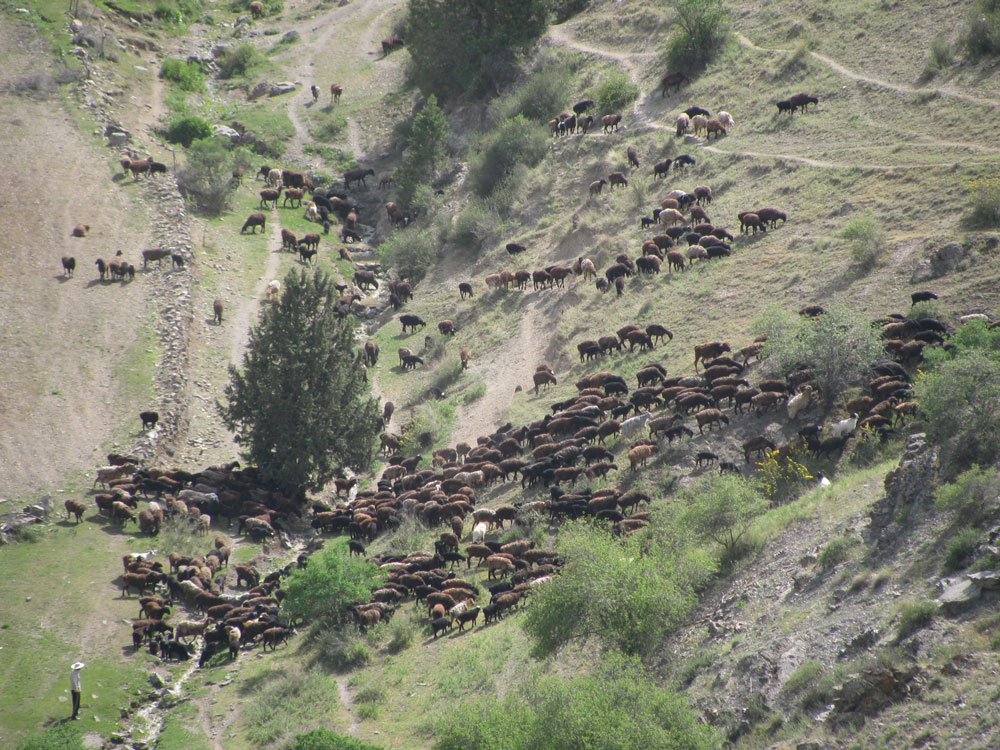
x=284, y=87
x=156, y=681
x=226, y=132
x=959, y=595
x=259, y=90
x=118, y=138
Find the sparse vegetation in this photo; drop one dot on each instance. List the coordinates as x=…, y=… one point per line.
x=516, y=141
x=721, y=509
x=940, y=57
x=239, y=60
x=56, y=737
x=984, y=208
x=836, y=551
x=325, y=739
x=972, y=496
x=424, y=149
x=865, y=238
x=959, y=549
x=914, y=615
x=411, y=252
x=206, y=179
x=982, y=35
x=543, y=94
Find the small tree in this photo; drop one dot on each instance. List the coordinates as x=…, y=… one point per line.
x=615, y=92
x=329, y=585
x=516, y=141
x=840, y=346
x=721, y=508
x=700, y=33
x=299, y=405
x=188, y=129
x=865, y=237
x=206, y=178
x=424, y=149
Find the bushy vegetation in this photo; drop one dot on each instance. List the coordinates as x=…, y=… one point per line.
x=839, y=346
x=187, y=129
x=298, y=406
x=972, y=496
x=238, y=60
x=206, y=178
x=721, y=509
x=411, y=253
x=332, y=581
x=459, y=47
x=982, y=35
x=516, y=141
x=959, y=549
x=177, y=11
x=543, y=94
x=835, y=552
x=700, y=32
x=959, y=396
x=780, y=477
x=984, y=206
x=563, y=10
x=424, y=149
x=615, y=93
x=627, y=594
x=281, y=702
x=617, y=708
x=865, y=237
x=914, y=615
x=940, y=56
x=339, y=649
x=186, y=74
x=326, y=739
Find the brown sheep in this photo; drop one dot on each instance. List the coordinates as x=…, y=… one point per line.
x=253, y=221
x=256, y=9
x=76, y=508
x=597, y=185
x=710, y=417
x=633, y=156
x=610, y=122
x=294, y=195
x=447, y=328
x=616, y=178
x=705, y=352
x=499, y=565
x=335, y=91
x=758, y=444
x=751, y=221
x=217, y=311
x=675, y=259
x=80, y=230
x=640, y=454
x=669, y=216
x=714, y=126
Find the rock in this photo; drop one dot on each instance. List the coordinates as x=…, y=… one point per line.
x=259, y=90
x=290, y=36
x=226, y=132
x=988, y=579
x=156, y=680
x=946, y=259
x=845, y=208
x=219, y=50
x=959, y=595
x=283, y=87
x=37, y=511
x=118, y=138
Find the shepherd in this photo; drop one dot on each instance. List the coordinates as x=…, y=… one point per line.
x=76, y=687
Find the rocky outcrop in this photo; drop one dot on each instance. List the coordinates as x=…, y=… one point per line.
x=909, y=487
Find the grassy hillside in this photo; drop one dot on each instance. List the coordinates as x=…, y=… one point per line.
x=763, y=652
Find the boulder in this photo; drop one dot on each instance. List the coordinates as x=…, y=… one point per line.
x=226, y=132
x=959, y=595
x=283, y=87
x=988, y=579
x=259, y=90
x=118, y=138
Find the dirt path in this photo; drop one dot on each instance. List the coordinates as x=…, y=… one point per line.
x=246, y=313
x=855, y=76
x=348, y=702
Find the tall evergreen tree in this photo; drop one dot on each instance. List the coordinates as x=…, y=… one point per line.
x=299, y=405
x=424, y=148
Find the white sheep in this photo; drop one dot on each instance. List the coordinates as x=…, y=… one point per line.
x=974, y=316
x=274, y=177
x=726, y=119
x=273, y=289
x=844, y=427
x=479, y=532
x=635, y=424
x=799, y=402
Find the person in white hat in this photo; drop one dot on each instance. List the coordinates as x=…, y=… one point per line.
x=75, y=686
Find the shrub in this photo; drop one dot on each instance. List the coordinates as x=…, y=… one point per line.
x=721, y=508
x=460, y=47
x=411, y=253
x=914, y=615
x=984, y=208
x=940, y=54
x=626, y=594
x=206, y=179
x=187, y=129
x=780, y=477
x=339, y=649
x=960, y=403
x=615, y=92
x=236, y=61
x=564, y=713
x=840, y=346
x=960, y=548
x=425, y=147
x=835, y=552
x=280, y=702
x=401, y=636
x=865, y=237
x=803, y=677
x=325, y=739
x=328, y=125
x=329, y=585
x=187, y=75
x=700, y=33
x=474, y=226
x=563, y=10
x=542, y=96
x=982, y=35
x=972, y=496
x=515, y=142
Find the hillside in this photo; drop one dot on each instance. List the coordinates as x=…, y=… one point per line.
x=821, y=631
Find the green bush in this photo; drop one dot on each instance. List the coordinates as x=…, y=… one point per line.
x=700, y=34
x=474, y=227
x=984, y=207
x=721, y=509
x=516, y=141
x=840, y=346
x=401, y=636
x=237, y=61
x=960, y=548
x=615, y=93
x=563, y=10
x=187, y=75
x=626, y=594
x=339, y=649
x=56, y=737
x=803, y=677
x=542, y=96
x=459, y=47
x=865, y=238
x=940, y=56
x=325, y=739
x=835, y=552
x=332, y=582
x=960, y=402
x=972, y=497
x=982, y=35
x=279, y=702
x=206, y=178
x=411, y=253
x=187, y=129
x=617, y=708
x=914, y=615
x=425, y=147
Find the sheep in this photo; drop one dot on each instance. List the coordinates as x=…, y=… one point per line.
x=844, y=427
x=253, y=221
x=639, y=455
x=190, y=629
x=465, y=289
x=76, y=508
x=714, y=126
x=217, y=307
x=585, y=267
x=360, y=174
x=140, y=166
x=616, y=178
x=758, y=444
x=785, y=106
x=710, y=417
x=582, y=106
x=256, y=9
x=974, y=317
x=749, y=220
x=675, y=78
x=106, y=474
x=597, y=185
x=705, y=352
x=543, y=378
x=661, y=168
x=610, y=122
x=499, y=565
x=80, y=230
x=335, y=91
x=803, y=101
x=635, y=424
x=292, y=194
x=272, y=290
x=799, y=402
x=699, y=123
x=465, y=356
x=412, y=322
x=684, y=160
x=771, y=216
x=922, y=297
x=669, y=216
x=726, y=119
x=633, y=156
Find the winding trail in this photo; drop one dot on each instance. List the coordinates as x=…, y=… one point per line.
x=347, y=700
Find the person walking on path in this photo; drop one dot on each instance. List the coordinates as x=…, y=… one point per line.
x=75, y=686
